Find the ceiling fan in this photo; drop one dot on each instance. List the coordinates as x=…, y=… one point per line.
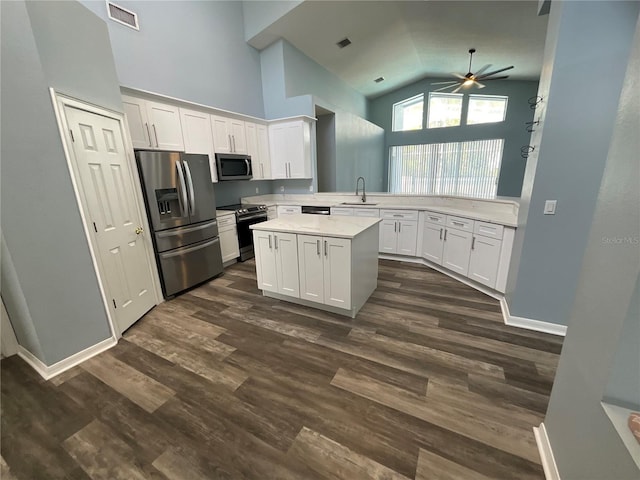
x=471, y=79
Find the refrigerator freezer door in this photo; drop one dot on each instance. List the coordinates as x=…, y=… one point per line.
x=187, y=266
x=183, y=236
x=202, y=201
x=165, y=188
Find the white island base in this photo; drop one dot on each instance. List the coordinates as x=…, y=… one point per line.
x=325, y=262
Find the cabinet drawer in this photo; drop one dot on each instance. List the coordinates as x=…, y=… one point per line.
x=460, y=223
x=341, y=211
x=289, y=209
x=399, y=214
x=366, y=212
x=437, y=218
x=488, y=230
x=226, y=220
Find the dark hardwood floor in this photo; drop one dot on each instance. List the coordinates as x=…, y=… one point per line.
x=222, y=383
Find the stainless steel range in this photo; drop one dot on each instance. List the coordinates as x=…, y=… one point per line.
x=247, y=215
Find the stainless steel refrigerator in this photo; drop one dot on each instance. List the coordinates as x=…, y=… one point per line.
x=182, y=208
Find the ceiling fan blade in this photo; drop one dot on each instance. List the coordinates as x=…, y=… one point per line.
x=479, y=72
x=445, y=88
x=495, y=78
x=459, y=76
x=444, y=83
x=479, y=85
x=458, y=89
x=494, y=72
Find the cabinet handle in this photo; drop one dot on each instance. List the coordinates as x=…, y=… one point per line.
x=230, y=144
x=318, y=247
x=399, y=227
x=445, y=234
x=473, y=242
x=401, y=216
x=395, y=227
x=440, y=234
x=325, y=248
x=155, y=134
x=435, y=219
x=275, y=241
x=148, y=134
x=233, y=137
x=459, y=224
x=269, y=242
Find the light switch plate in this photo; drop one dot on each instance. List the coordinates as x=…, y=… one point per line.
x=550, y=207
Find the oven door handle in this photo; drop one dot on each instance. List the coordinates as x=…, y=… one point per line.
x=251, y=217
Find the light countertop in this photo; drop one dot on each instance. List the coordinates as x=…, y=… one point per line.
x=324, y=225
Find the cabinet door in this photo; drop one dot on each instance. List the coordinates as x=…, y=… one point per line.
x=278, y=148
x=266, y=268
x=299, y=150
x=263, y=152
x=197, y=136
x=337, y=272
x=221, y=134
x=407, y=237
x=139, y=129
x=286, y=246
x=238, y=136
x=484, y=260
x=229, y=243
x=166, y=132
x=388, y=236
x=311, y=264
x=252, y=149
x=432, y=242
x=457, y=249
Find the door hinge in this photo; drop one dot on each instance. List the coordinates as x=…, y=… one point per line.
x=71, y=132
x=94, y=227
x=114, y=302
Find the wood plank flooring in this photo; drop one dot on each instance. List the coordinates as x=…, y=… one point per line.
x=222, y=383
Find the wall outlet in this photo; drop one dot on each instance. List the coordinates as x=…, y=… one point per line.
x=311, y=188
x=282, y=188
x=257, y=190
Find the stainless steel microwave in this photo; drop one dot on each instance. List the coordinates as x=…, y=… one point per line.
x=233, y=166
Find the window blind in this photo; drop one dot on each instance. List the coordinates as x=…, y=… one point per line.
x=460, y=168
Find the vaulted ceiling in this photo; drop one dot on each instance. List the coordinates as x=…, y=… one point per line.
x=405, y=41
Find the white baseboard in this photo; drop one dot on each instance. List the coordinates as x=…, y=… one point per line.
x=546, y=453
x=529, y=323
x=520, y=322
x=50, y=371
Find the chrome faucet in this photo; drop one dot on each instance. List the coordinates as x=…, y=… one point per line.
x=364, y=195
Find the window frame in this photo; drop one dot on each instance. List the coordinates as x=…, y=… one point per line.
x=409, y=101
x=443, y=95
x=486, y=96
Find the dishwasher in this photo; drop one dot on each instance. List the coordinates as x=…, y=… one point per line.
x=312, y=210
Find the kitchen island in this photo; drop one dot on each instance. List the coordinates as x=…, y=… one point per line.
x=325, y=262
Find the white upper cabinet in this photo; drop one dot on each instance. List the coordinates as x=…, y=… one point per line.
x=290, y=144
x=153, y=125
x=229, y=135
x=196, y=132
x=258, y=149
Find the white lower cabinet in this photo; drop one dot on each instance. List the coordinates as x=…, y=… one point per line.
x=457, y=250
x=432, y=242
x=277, y=262
x=484, y=260
x=399, y=236
x=325, y=270
x=228, y=232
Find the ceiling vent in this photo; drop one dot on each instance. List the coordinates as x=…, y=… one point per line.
x=379, y=79
x=122, y=15
x=345, y=42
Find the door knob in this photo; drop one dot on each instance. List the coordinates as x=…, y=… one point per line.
x=139, y=230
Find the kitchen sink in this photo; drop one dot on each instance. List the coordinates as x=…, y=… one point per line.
x=358, y=203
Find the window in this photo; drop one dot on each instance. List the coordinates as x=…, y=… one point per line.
x=407, y=114
x=486, y=109
x=461, y=168
x=445, y=110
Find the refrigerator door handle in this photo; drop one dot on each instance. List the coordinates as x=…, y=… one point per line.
x=192, y=197
x=182, y=197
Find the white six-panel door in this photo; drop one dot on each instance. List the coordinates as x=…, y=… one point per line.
x=106, y=181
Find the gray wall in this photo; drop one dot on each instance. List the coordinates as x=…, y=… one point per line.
x=512, y=129
x=49, y=285
x=326, y=158
x=571, y=151
x=190, y=50
x=584, y=443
